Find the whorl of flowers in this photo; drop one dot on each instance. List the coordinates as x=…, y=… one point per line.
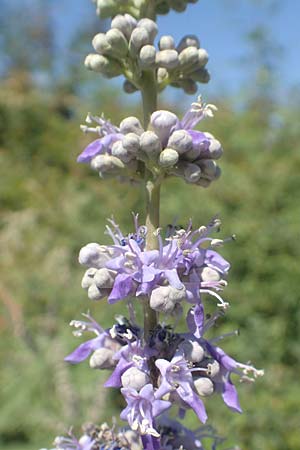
x=129, y=45
x=170, y=147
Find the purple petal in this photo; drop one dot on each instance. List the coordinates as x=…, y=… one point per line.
x=225, y=360
x=192, y=399
x=84, y=350
x=173, y=278
x=98, y=146
x=199, y=139
x=199, y=319
x=215, y=261
x=163, y=389
x=115, y=379
x=230, y=396
x=159, y=406
x=122, y=287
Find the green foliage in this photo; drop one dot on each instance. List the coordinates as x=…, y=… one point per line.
x=51, y=207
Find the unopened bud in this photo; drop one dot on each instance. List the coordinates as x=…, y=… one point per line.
x=215, y=149
x=165, y=298
x=100, y=44
x=102, y=358
x=162, y=74
x=181, y=141
x=147, y=56
x=204, y=386
x=192, y=173
x=202, y=57
x=213, y=368
x=189, y=86
x=93, y=255
x=128, y=87
x=131, y=125
x=201, y=75
x=188, y=41
x=104, y=163
x=208, y=167
x=118, y=42
x=166, y=43
x=125, y=24
x=167, y=59
x=168, y=157
x=139, y=38
x=178, y=5
x=204, y=182
x=208, y=274
x=162, y=122
x=192, y=351
x=98, y=63
x=131, y=143
x=188, y=57
x=106, y=8
x=150, y=143
x=150, y=26
x=134, y=378
x=88, y=278
x=104, y=278
x=119, y=151
x=94, y=293
x=162, y=8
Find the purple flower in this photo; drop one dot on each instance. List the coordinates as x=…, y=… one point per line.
x=176, y=376
x=142, y=407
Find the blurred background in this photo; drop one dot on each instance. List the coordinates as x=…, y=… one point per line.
x=51, y=207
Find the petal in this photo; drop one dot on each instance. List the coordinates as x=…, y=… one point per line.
x=225, y=360
x=192, y=399
x=93, y=149
x=215, y=261
x=230, y=396
x=84, y=350
x=173, y=278
x=163, y=389
x=160, y=406
x=115, y=379
x=122, y=287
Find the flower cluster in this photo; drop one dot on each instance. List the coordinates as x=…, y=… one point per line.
x=129, y=44
x=171, y=147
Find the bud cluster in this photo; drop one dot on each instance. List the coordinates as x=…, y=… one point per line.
x=108, y=8
x=128, y=48
x=170, y=147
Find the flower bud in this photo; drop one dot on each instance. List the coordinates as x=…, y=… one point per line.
x=88, y=278
x=131, y=143
x=204, y=386
x=128, y=87
x=119, y=151
x=150, y=26
x=162, y=74
x=118, y=43
x=100, y=44
x=94, y=293
x=104, y=278
x=204, y=182
x=162, y=122
x=150, y=143
x=192, y=173
x=188, y=41
x=147, y=57
x=166, y=43
x=106, y=8
x=139, y=38
x=202, y=57
x=167, y=59
x=189, y=86
x=192, y=351
x=181, y=141
x=200, y=75
x=125, y=24
x=208, y=167
x=168, y=157
x=93, y=255
x=102, y=358
x=208, y=274
x=107, y=66
x=106, y=163
x=165, y=298
x=131, y=125
x=134, y=378
x=213, y=368
x=188, y=57
x=214, y=150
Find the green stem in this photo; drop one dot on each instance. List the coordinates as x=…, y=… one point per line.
x=152, y=189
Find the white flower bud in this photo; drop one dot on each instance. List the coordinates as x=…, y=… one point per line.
x=106, y=163
x=202, y=57
x=192, y=173
x=188, y=41
x=131, y=125
x=150, y=143
x=147, y=56
x=100, y=44
x=193, y=154
x=208, y=274
x=102, y=359
x=88, y=278
x=131, y=143
x=204, y=386
x=93, y=255
x=134, y=378
x=189, y=86
x=200, y=75
x=188, y=57
x=165, y=298
x=94, y=293
x=150, y=26
x=215, y=149
x=139, y=38
x=99, y=63
x=168, y=157
x=104, y=278
x=213, y=368
x=167, y=59
x=161, y=74
x=166, y=43
x=128, y=87
x=118, y=42
x=162, y=123
x=192, y=351
x=124, y=23
x=181, y=141
x=119, y=151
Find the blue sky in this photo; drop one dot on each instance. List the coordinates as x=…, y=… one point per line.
x=221, y=26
